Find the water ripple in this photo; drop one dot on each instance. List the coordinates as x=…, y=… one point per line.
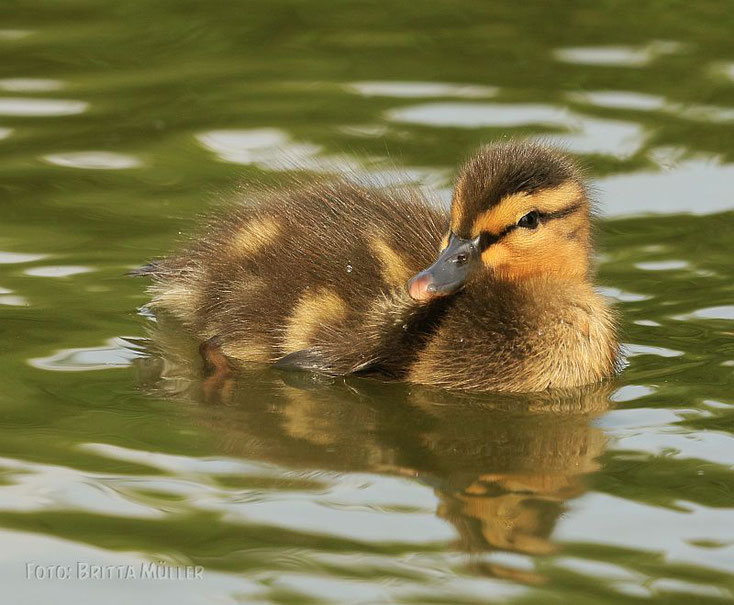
x=417, y=90
x=587, y=134
x=58, y=270
x=617, y=56
x=670, y=191
x=30, y=84
x=27, y=107
x=94, y=160
x=117, y=353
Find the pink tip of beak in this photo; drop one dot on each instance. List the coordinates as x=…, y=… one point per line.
x=418, y=287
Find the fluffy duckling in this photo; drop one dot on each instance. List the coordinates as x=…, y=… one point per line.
x=338, y=278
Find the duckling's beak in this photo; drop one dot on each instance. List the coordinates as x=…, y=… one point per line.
x=448, y=273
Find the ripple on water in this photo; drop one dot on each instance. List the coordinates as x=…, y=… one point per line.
x=11, y=258
x=615, y=521
x=662, y=265
x=30, y=84
x=58, y=271
x=117, y=353
x=327, y=518
x=630, y=392
x=617, y=56
x=272, y=149
x=623, y=56
x=722, y=312
x=647, y=322
x=34, y=487
x=13, y=300
x=14, y=34
x=417, y=90
x=703, y=113
x=31, y=107
x=94, y=160
x=619, y=421
x=678, y=442
x=248, y=146
x=599, y=569
x=182, y=465
x=477, y=115
x=622, y=295
x=635, y=349
x=619, y=99
x=586, y=134
x=643, y=102
x=346, y=506
x=670, y=191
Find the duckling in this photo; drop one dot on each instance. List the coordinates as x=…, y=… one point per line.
x=338, y=278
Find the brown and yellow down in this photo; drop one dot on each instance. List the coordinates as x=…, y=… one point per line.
x=314, y=277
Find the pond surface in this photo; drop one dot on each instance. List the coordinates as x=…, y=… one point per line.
x=122, y=122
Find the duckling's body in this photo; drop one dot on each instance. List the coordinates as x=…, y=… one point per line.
x=315, y=278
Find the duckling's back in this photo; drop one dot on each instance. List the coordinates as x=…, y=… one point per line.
x=323, y=262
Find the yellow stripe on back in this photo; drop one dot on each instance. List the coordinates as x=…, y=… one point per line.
x=393, y=268
x=255, y=235
x=313, y=310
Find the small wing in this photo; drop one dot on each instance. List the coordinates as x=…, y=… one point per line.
x=315, y=360
x=306, y=360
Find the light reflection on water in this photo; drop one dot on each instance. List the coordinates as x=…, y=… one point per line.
x=116, y=450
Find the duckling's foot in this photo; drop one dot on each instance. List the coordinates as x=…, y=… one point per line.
x=217, y=370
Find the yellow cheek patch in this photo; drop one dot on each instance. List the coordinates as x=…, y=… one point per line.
x=394, y=270
x=312, y=311
x=515, y=206
x=495, y=256
x=255, y=235
x=540, y=253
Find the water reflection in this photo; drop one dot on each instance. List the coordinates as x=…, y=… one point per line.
x=272, y=149
x=586, y=134
x=617, y=56
x=30, y=84
x=669, y=191
x=415, y=90
x=94, y=160
x=14, y=34
x=28, y=107
x=502, y=468
x=619, y=99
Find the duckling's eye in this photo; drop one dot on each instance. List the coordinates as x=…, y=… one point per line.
x=530, y=221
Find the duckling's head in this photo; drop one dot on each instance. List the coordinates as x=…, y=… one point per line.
x=519, y=210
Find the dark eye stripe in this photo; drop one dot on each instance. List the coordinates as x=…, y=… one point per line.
x=486, y=239
x=562, y=213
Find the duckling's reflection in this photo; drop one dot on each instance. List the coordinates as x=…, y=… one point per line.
x=502, y=467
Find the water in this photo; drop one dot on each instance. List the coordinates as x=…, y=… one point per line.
x=121, y=122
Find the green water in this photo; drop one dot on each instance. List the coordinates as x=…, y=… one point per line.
x=121, y=122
